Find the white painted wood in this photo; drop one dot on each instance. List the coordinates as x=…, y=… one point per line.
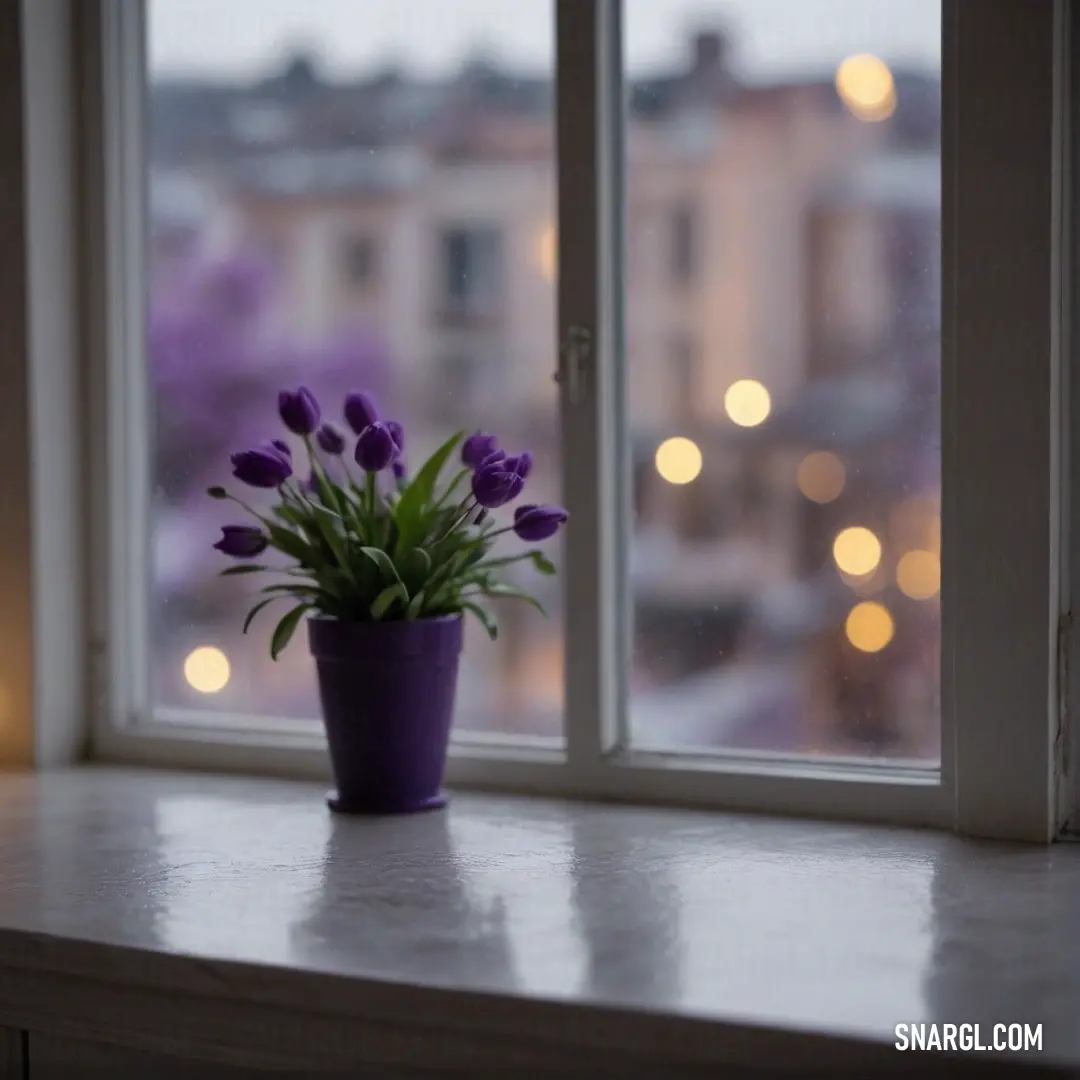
x=237, y=921
x=42, y=549
x=1000, y=394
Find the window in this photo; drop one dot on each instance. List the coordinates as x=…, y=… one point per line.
x=470, y=259
x=684, y=377
x=765, y=613
x=225, y=329
x=360, y=261
x=683, y=244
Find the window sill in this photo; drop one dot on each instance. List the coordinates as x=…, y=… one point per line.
x=236, y=920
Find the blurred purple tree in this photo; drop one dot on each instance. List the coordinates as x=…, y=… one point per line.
x=218, y=357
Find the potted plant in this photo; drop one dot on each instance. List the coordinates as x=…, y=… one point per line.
x=383, y=567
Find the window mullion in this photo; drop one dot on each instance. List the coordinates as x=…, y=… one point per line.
x=1001, y=456
x=590, y=105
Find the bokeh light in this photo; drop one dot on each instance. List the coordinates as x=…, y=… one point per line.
x=207, y=669
x=548, y=252
x=915, y=523
x=918, y=575
x=857, y=551
x=678, y=460
x=865, y=85
x=869, y=626
x=747, y=402
x=821, y=476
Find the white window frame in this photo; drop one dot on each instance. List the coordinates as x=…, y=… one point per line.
x=1005, y=265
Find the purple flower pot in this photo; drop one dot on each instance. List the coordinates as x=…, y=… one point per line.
x=387, y=692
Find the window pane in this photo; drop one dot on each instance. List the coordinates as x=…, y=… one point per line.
x=783, y=365
x=345, y=195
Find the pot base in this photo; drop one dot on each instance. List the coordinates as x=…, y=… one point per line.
x=433, y=802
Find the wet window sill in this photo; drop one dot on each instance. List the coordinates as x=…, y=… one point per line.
x=235, y=918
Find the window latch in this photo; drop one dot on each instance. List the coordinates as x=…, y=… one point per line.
x=575, y=354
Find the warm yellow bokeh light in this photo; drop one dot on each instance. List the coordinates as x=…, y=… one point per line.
x=207, y=669
x=821, y=476
x=865, y=85
x=866, y=584
x=678, y=460
x=869, y=626
x=857, y=551
x=918, y=574
x=548, y=253
x=915, y=523
x=747, y=402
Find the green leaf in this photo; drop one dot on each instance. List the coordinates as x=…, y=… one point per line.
x=453, y=485
x=327, y=523
x=415, y=567
x=256, y=609
x=294, y=590
x=246, y=568
x=217, y=492
x=542, y=562
x=486, y=620
x=294, y=546
x=511, y=593
x=386, y=598
x=384, y=563
x=409, y=509
x=285, y=629
x=416, y=605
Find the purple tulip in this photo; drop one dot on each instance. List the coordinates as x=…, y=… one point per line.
x=299, y=410
x=242, y=541
x=331, y=438
x=536, y=523
x=495, y=455
x=263, y=467
x=493, y=486
x=521, y=464
x=399, y=469
x=283, y=446
x=375, y=449
x=517, y=484
x=477, y=448
x=397, y=433
x=360, y=411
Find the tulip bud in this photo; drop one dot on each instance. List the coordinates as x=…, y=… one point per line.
x=282, y=446
x=477, y=448
x=242, y=541
x=263, y=467
x=520, y=463
x=492, y=485
x=299, y=410
x=360, y=411
x=397, y=433
x=330, y=438
x=375, y=449
x=535, y=523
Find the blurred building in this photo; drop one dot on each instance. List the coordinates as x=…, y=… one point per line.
x=773, y=236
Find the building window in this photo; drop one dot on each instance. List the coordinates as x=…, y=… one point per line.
x=684, y=240
x=360, y=261
x=684, y=376
x=470, y=261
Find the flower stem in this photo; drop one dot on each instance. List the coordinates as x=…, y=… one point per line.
x=244, y=506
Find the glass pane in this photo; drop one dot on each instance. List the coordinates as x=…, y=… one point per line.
x=345, y=195
x=784, y=319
